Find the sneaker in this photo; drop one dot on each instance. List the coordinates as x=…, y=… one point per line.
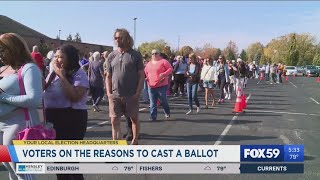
x=226, y=96
x=229, y=97
x=222, y=101
x=167, y=116
x=189, y=112
x=95, y=108
x=175, y=94
x=150, y=119
x=198, y=109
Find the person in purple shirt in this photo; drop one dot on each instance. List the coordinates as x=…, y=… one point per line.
x=65, y=98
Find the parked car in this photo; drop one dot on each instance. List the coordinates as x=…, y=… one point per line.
x=291, y=70
x=300, y=71
x=312, y=70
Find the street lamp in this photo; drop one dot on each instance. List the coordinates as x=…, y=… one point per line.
x=59, y=33
x=134, y=29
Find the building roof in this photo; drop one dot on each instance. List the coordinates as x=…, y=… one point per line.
x=9, y=25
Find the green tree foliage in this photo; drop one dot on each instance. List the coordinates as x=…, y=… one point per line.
x=43, y=48
x=69, y=38
x=243, y=55
x=185, y=51
x=219, y=52
x=147, y=47
x=254, y=52
x=316, y=60
x=293, y=56
x=231, y=51
x=77, y=38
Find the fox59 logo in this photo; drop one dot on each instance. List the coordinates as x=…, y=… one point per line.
x=262, y=153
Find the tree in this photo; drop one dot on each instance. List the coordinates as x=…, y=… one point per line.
x=255, y=52
x=231, y=51
x=243, y=55
x=293, y=57
x=77, y=38
x=69, y=38
x=316, y=60
x=43, y=47
x=147, y=47
x=218, y=53
x=185, y=51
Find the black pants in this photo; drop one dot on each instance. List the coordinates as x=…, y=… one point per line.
x=70, y=124
x=179, y=81
x=97, y=94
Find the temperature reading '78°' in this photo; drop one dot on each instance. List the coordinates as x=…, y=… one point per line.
x=294, y=156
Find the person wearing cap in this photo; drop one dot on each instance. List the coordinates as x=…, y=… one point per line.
x=223, y=77
x=157, y=73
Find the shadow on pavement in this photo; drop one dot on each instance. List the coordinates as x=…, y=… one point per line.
x=309, y=158
x=204, y=138
x=101, y=134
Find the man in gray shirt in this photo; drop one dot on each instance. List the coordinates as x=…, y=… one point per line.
x=124, y=83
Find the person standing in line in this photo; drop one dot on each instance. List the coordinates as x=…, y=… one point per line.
x=68, y=113
x=193, y=77
x=157, y=75
x=179, y=69
x=96, y=80
x=267, y=72
x=124, y=83
x=209, y=78
x=223, y=77
x=16, y=56
x=38, y=58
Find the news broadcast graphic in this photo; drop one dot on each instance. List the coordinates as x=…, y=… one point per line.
x=272, y=153
x=90, y=157
x=158, y=168
x=93, y=152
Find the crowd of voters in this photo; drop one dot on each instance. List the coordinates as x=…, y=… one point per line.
x=61, y=82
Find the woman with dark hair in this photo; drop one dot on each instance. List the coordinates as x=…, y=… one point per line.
x=223, y=77
x=65, y=98
x=15, y=54
x=193, y=78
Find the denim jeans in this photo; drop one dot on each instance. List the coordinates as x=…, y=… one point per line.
x=192, y=91
x=145, y=93
x=155, y=94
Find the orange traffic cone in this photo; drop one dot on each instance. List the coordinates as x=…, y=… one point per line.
x=318, y=79
x=244, y=103
x=238, y=105
x=287, y=78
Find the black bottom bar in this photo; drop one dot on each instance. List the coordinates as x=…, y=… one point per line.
x=272, y=168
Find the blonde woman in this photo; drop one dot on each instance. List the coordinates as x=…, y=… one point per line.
x=209, y=78
x=193, y=78
x=15, y=53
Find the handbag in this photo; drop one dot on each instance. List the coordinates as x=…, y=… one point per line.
x=43, y=131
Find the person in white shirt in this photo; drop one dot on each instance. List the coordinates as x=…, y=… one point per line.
x=209, y=77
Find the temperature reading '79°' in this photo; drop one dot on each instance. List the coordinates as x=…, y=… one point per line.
x=128, y=168
x=221, y=168
x=294, y=156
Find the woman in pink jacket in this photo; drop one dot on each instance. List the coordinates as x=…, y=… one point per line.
x=157, y=72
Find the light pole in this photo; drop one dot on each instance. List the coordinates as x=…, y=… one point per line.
x=134, y=30
x=59, y=33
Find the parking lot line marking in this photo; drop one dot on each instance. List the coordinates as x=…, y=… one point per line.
x=99, y=124
x=258, y=82
x=228, y=127
x=293, y=84
x=280, y=112
x=314, y=101
x=284, y=139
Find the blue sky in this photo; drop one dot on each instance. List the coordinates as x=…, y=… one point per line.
x=195, y=22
